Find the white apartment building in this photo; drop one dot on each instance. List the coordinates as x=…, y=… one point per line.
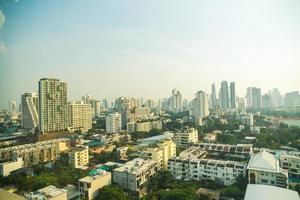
x=29, y=109
x=48, y=193
x=224, y=172
x=53, y=115
x=80, y=116
x=7, y=167
x=113, y=123
x=247, y=119
x=134, y=175
x=89, y=186
x=291, y=163
x=185, y=137
x=263, y=168
x=144, y=126
x=79, y=156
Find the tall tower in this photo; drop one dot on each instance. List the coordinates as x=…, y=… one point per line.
x=256, y=99
x=200, y=105
x=232, y=95
x=213, y=95
x=29, y=109
x=176, y=101
x=224, y=94
x=52, y=105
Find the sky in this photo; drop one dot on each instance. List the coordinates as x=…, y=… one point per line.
x=147, y=48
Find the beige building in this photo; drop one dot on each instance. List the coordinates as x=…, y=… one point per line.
x=7, y=167
x=144, y=126
x=52, y=105
x=89, y=186
x=35, y=153
x=113, y=123
x=263, y=168
x=134, y=175
x=160, y=152
x=79, y=156
x=48, y=193
x=80, y=116
x=291, y=163
x=185, y=137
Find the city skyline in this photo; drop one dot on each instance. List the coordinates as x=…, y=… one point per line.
x=109, y=52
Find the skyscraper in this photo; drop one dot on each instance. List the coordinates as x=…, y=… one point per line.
x=213, y=96
x=277, y=98
x=200, y=105
x=113, y=123
x=176, y=101
x=80, y=116
x=12, y=105
x=29, y=109
x=267, y=102
x=53, y=115
x=97, y=108
x=249, y=97
x=224, y=95
x=232, y=95
x=256, y=99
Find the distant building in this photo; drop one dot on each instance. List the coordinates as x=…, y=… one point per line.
x=292, y=99
x=247, y=119
x=267, y=102
x=185, y=137
x=224, y=95
x=13, y=106
x=89, y=186
x=134, y=175
x=232, y=95
x=213, y=96
x=79, y=156
x=80, y=116
x=113, y=123
x=29, y=109
x=176, y=101
x=241, y=105
x=256, y=99
x=48, y=193
x=291, y=163
x=7, y=167
x=53, y=115
x=200, y=106
x=263, y=168
x=144, y=126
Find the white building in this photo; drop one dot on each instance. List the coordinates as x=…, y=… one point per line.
x=89, y=186
x=80, y=116
x=79, y=157
x=113, y=123
x=48, y=193
x=53, y=115
x=144, y=126
x=266, y=192
x=291, y=163
x=7, y=167
x=29, y=109
x=263, y=168
x=134, y=175
x=247, y=120
x=200, y=105
x=185, y=137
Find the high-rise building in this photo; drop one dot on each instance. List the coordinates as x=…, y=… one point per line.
x=224, y=95
x=292, y=99
x=267, y=102
x=213, y=96
x=200, y=106
x=176, y=101
x=97, y=109
x=232, y=95
x=80, y=116
x=241, y=104
x=53, y=115
x=29, y=109
x=12, y=105
x=277, y=98
x=249, y=97
x=256, y=99
x=113, y=123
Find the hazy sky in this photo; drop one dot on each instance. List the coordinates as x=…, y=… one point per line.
x=146, y=48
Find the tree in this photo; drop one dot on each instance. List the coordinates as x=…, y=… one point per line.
x=112, y=192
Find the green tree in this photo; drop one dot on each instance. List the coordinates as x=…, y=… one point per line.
x=112, y=192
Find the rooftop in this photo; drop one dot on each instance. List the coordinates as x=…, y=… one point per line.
x=89, y=179
x=264, y=161
x=135, y=166
x=263, y=192
x=51, y=191
x=5, y=195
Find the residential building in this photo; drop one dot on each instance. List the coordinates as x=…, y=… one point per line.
x=97, y=109
x=267, y=102
x=29, y=109
x=224, y=172
x=52, y=105
x=291, y=163
x=263, y=168
x=213, y=96
x=247, y=119
x=134, y=175
x=13, y=106
x=241, y=104
x=48, y=193
x=89, y=186
x=176, y=101
x=7, y=167
x=256, y=99
x=292, y=99
x=80, y=116
x=200, y=106
x=264, y=192
x=185, y=137
x=144, y=125
x=79, y=157
x=113, y=123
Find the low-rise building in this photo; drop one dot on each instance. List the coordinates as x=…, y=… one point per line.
x=224, y=172
x=79, y=156
x=263, y=168
x=48, y=193
x=185, y=137
x=144, y=125
x=89, y=186
x=291, y=163
x=134, y=175
x=210, y=137
x=7, y=167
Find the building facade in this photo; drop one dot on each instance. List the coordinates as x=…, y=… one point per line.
x=79, y=156
x=113, y=123
x=80, y=116
x=29, y=109
x=185, y=137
